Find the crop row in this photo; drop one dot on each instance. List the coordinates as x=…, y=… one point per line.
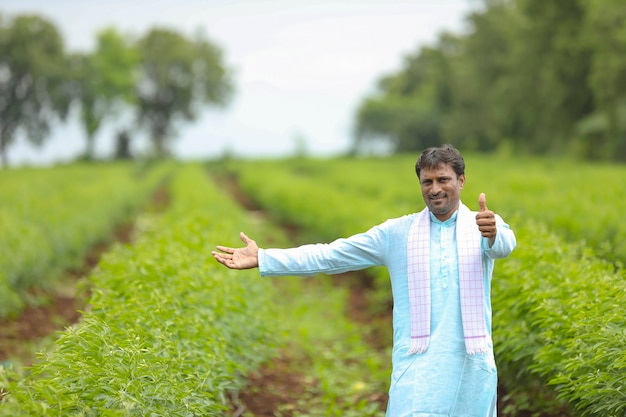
x=559, y=318
x=557, y=304
x=167, y=332
x=50, y=217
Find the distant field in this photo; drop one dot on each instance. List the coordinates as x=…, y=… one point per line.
x=51, y=217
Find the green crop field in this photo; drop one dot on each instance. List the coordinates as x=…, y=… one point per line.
x=170, y=332
x=50, y=217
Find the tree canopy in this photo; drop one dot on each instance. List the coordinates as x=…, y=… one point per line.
x=106, y=80
x=177, y=76
x=34, y=89
x=533, y=76
x=540, y=77
x=163, y=77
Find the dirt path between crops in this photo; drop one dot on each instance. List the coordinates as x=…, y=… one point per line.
x=279, y=384
x=60, y=308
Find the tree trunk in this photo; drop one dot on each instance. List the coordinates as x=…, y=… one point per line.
x=4, y=158
x=122, y=145
x=612, y=133
x=160, y=142
x=89, y=149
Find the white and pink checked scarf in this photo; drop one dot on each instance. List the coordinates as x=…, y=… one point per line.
x=470, y=280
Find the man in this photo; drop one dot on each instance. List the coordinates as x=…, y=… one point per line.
x=440, y=262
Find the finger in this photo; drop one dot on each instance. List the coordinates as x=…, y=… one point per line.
x=245, y=239
x=482, y=202
x=218, y=255
x=225, y=249
x=485, y=221
x=223, y=260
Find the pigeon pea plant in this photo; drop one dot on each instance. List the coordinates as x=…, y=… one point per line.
x=168, y=332
x=50, y=217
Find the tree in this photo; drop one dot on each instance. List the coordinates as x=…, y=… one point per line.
x=605, y=34
x=405, y=123
x=407, y=110
x=106, y=80
x=482, y=87
x=177, y=77
x=556, y=64
x=33, y=87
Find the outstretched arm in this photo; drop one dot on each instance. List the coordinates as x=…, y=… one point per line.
x=239, y=258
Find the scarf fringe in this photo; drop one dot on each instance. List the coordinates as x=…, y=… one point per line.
x=476, y=346
x=419, y=345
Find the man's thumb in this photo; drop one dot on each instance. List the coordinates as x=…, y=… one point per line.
x=245, y=239
x=482, y=202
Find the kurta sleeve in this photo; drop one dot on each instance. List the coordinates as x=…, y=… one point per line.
x=504, y=243
x=347, y=254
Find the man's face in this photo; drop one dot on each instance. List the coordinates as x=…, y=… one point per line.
x=441, y=189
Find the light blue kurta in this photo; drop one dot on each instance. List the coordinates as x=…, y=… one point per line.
x=445, y=380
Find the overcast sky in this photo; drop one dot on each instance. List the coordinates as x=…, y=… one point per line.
x=301, y=67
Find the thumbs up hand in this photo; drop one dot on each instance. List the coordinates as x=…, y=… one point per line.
x=486, y=219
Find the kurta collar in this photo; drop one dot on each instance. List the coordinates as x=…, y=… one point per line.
x=449, y=222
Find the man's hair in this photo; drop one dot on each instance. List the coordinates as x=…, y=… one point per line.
x=446, y=154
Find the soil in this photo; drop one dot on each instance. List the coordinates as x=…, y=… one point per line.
x=33, y=324
x=279, y=385
x=275, y=386
x=55, y=310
